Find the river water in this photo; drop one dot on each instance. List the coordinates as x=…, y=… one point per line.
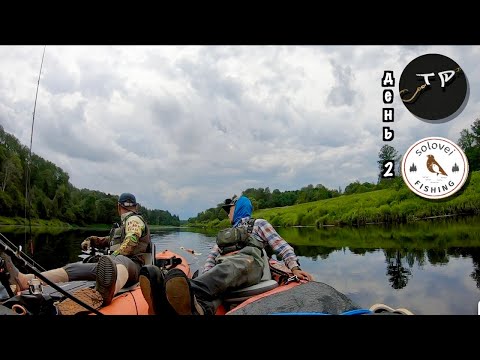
x=430, y=267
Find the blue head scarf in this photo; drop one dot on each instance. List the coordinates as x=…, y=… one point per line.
x=243, y=208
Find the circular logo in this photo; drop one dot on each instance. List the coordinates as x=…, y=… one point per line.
x=434, y=168
x=434, y=88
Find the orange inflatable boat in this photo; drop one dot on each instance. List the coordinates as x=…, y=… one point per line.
x=278, y=293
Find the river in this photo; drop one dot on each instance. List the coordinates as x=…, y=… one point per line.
x=429, y=267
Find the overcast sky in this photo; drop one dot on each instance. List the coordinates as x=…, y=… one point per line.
x=184, y=127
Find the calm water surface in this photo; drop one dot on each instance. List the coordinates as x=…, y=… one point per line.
x=430, y=267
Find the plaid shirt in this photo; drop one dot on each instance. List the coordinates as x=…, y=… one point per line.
x=262, y=231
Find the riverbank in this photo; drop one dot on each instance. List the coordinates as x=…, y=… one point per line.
x=22, y=222
x=18, y=222
x=388, y=206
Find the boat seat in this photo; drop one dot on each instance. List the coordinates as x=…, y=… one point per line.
x=265, y=284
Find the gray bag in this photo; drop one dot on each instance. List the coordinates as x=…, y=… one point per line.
x=232, y=237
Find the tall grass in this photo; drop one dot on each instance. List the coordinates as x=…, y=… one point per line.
x=388, y=206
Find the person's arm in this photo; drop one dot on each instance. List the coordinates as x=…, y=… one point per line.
x=210, y=262
x=134, y=227
x=281, y=248
x=277, y=243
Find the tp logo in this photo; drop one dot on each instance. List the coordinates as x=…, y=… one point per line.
x=434, y=88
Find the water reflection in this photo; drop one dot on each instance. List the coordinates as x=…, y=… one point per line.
x=49, y=249
x=397, y=274
x=430, y=267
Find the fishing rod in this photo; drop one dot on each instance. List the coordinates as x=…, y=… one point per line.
x=18, y=253
x=7, y=250
x=19, y=250
x=29, y=160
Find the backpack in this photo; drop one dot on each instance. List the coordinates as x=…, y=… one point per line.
x=236, y=238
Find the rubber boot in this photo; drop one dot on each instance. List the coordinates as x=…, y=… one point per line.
x=179, y=294
x=106, y=278
x=152, y=284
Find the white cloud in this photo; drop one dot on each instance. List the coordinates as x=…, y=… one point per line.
x=184, y=127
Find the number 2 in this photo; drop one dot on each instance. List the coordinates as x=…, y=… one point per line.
x=388, y=169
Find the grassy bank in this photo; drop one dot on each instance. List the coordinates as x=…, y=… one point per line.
x=391, y=206
x=18, y=221
x=21, y=223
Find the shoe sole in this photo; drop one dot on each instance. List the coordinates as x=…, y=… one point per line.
x=152, y=282
x=178, y=294
x=146, y=288
x=89, y=296
x=106, y=279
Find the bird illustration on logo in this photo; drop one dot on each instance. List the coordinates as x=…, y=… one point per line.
x=434, y=166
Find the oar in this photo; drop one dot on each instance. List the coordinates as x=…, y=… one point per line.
x=10, y=252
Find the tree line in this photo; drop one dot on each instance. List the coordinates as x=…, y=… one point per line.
x=50, y=195
x=263, y=198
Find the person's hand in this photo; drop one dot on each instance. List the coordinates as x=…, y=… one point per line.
x=91, y=241
x=85, y=243
x=302, y=275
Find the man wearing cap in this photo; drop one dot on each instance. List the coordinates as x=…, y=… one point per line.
x=173, y=293
x=129, y=244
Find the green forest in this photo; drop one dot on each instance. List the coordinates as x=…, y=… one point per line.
x=51, y=197
x=50, y=194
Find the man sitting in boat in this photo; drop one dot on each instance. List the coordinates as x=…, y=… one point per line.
x=231, y=264
x=129, y=244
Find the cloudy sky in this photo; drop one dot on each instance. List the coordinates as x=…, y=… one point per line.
x=184, y=127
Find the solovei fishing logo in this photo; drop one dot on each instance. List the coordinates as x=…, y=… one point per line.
x=434, y=88
x=434, y=168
